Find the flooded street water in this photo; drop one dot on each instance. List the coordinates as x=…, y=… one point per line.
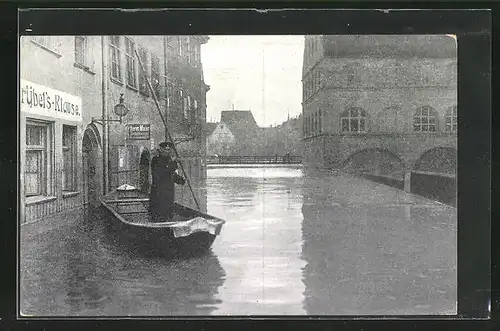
x=293, y=244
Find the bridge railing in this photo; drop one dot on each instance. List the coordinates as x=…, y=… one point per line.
x=254, y=159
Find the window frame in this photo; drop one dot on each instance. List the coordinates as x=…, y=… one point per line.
x=185, y=109
x=115, y=49
x=451, y=120
x=143, y=84
x=130, y=63
x=181, y=99
x=425, y=80
x=350, y=75
x=73, y=183
x=169, y=42
x=170, y=95
x=44, y=181
x=361, y=117
x=432, y=114
x=196, y=109
x=84, y=52
x=188, y=49
x=156, y=74
x=320, y=124
x=179, y=44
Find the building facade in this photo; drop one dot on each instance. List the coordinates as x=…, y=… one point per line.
x=237, y=134
x=69, y=156
x=381, y=104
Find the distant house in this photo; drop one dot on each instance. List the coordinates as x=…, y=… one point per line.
x=237, y=133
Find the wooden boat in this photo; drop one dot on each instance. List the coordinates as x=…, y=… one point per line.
x=189, y=231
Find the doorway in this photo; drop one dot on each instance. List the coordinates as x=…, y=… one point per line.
x=90, y=156
x=144, y=165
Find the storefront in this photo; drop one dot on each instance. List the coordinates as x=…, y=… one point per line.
x=51, y=134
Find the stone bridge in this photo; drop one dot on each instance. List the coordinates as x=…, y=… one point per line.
x=391, y=155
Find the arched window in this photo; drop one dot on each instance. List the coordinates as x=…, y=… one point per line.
x=424, y=120
x=390, y=120
x=353, y=120
x=451, y=119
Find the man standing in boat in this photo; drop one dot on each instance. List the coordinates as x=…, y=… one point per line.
x=163, y=169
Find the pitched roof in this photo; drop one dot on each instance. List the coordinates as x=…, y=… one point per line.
x=240, y=122
x=209, y=128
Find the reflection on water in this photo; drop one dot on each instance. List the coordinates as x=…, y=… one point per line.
x=371, y=249
x=83, y=271
x=260, y=246
x=293, y=243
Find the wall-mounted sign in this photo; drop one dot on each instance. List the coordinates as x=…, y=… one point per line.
x=42, y=100
x=139, y=131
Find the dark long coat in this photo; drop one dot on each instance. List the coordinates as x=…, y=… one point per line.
x=162, y=189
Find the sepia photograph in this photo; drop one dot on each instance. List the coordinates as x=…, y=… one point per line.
x=221, y=175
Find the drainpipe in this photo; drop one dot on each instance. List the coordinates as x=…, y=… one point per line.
x=166, y=78
x=105, y=133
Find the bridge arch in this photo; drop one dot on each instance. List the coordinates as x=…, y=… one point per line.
x=442, y=159
x=377, y=161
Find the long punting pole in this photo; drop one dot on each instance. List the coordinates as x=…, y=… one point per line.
x=167, y=133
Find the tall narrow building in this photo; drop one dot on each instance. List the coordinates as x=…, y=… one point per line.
x=74, y=146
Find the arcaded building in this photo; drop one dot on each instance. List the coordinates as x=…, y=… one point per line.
x=381, y=104
x=69, y=156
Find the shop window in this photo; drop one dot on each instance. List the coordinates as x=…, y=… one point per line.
x=451, y=119
x=424, y=120
x=143, y=85
x=131, y=62
x=114, y=58
x=37, y=165
x=81, y=54
x=69, y=159
x=353, y=120
x=155, y=74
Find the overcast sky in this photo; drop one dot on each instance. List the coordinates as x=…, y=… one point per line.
x=233, y=66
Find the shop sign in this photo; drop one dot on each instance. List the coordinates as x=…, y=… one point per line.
x=42, y=100
x=139, y=131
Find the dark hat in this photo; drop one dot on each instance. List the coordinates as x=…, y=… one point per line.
x=166, y=144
